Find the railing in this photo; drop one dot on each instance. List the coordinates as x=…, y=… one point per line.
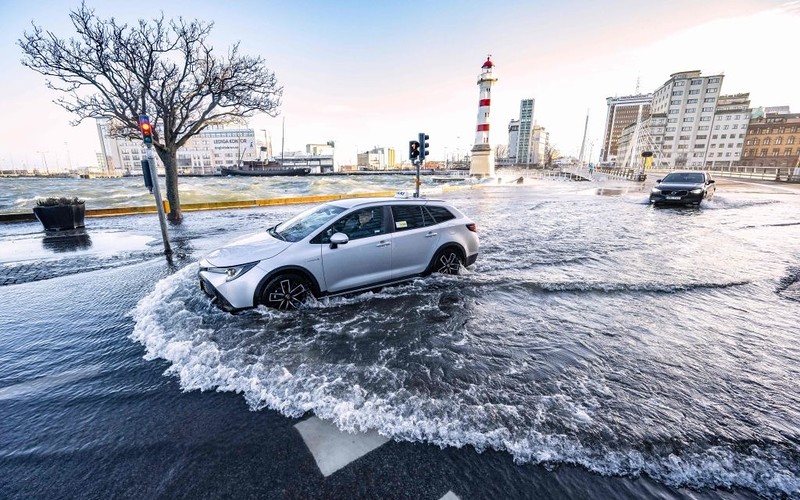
x=759, y=173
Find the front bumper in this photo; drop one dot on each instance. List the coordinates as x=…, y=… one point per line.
x=216, y=298
x=676, y=199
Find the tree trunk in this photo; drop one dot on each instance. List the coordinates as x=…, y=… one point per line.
x=170, y=161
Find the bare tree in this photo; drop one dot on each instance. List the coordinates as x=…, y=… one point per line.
x=163, y=68
x=550, y=155
x=500, y=151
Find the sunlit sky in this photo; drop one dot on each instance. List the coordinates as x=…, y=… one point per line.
x=368, y=74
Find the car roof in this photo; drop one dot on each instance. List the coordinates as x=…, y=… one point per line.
x=356, y=202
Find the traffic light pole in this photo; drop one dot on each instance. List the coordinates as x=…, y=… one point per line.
x=159, y=204
x=418, y=163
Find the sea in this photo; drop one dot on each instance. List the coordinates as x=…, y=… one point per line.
x=654, y=350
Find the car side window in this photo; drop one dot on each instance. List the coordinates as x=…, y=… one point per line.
x=440, y=214
x=362, y=223
x=410, y=217
x=359, y=224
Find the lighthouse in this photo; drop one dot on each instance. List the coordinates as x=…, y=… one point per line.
x=482, y=164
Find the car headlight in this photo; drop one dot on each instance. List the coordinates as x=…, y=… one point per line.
x=231, y=272
x=696, y=191
x=655, y=191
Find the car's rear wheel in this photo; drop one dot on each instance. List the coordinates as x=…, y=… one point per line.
x=447, y=261
x=286, y=292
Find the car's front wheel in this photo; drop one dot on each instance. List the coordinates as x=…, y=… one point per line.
x=286, y=292
x=447, y=261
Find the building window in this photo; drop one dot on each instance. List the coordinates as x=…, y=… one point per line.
x=694, y=92
x=691, y=110
x=708, y=109
x=709, y=99
x=686, y=129
x=696, y=81
x=674, y=111
x=691, y=101
x=765, y=142
x=713, y=80
x=778, y=140
x=787, y=152
x=675, y=101
x=672, y=129
x=763, y=152
x=677, y=92
x=705, y=118
x=790, y=140
x=688, y=119
x=702, y=127
x=672, y=120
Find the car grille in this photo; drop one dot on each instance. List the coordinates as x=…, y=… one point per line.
x=682, y=192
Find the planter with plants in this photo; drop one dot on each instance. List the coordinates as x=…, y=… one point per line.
x=58, y=214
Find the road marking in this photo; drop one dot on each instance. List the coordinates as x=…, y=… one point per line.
x=333, y=449
x=450, y=496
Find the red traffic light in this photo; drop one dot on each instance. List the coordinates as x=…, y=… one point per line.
x=146, y=129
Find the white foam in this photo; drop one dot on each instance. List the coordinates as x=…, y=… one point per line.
x=175, y=323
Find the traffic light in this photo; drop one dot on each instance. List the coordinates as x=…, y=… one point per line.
x=423, y=145
x=413, y=150
x=146, y=128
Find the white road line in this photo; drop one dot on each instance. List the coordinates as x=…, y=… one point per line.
x=450, y=496
x=333, y=449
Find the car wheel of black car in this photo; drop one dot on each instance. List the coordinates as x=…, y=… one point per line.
x=447, y=261
x=286, y=292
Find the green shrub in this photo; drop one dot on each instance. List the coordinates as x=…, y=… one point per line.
x=55, y=202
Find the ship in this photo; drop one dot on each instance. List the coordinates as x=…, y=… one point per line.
x=262, y=168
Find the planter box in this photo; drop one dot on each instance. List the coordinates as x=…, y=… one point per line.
x=61, y=217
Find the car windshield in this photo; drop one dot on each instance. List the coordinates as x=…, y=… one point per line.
x=305, y=223
x=686, y=177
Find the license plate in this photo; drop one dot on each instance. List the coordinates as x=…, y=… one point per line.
x=673, y=197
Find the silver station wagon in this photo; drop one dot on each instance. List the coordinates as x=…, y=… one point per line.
x=339, y=247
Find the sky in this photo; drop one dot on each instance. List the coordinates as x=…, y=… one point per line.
x=374, y=74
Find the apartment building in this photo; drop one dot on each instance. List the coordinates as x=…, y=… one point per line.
x=688, y=100
x=621, y=112
x=728, y=131
x=524, y=153
x=772, y=140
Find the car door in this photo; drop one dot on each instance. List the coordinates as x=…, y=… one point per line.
x=366, y=259
x=414, y=240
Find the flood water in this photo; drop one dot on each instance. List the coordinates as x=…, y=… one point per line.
x=593, y=331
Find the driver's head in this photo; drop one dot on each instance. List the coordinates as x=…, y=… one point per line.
x=364, y=217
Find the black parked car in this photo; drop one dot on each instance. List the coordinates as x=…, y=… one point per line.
x=683, y=188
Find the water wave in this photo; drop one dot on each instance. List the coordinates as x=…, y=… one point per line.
x=448, y=389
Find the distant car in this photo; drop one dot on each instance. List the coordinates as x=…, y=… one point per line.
x=339, y=247
x=683, y=188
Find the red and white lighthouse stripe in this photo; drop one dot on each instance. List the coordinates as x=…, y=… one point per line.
x=485, y=81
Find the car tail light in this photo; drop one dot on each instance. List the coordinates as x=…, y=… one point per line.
x=473, y=227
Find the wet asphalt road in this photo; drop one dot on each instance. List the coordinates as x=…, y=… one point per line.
x=110, y=424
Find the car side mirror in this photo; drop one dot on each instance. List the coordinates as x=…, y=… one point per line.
x=711, y=181
x=339, y=239
x=658, y=181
